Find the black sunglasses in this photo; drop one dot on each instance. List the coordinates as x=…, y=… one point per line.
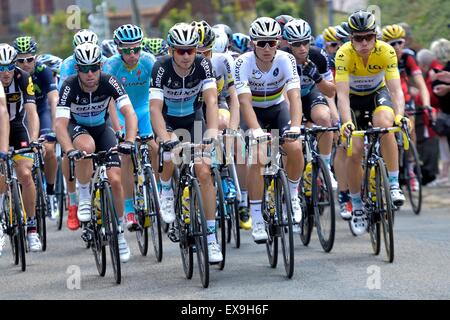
x=29, y=60
x=298, y=44
x=398, y=42
x=367, y=37
x=264, y=43
x=86, y=69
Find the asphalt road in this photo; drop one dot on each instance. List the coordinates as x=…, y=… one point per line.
x=421, y=269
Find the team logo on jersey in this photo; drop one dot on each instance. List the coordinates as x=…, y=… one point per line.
x=139, y=72
x=37, y=89
x=276, y=72
x=84, y=101
x=124, y=79
x=30, y=87
x=13, y=98
x=256, y=74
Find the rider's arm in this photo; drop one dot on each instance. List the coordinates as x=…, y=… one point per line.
x=53, y=98
x=420, y=83
x=63, y=117
x=398, y=99
x=157, y=102
x=343, y=98
x=4, y=122
x=131, y=122
x=326, y=86
x=333, y=110
x=292, y=89
x=113, y=116
x=209, y=92
x=29, y=104
x=234, y=108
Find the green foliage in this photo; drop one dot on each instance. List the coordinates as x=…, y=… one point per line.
x=174, y=16
x=271, y=8
x=55, y=38
x=428, y=18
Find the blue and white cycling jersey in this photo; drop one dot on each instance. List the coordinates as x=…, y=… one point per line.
x=136, y=82
x=182, y=96
x=68, y=69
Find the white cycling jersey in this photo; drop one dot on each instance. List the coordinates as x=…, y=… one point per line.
x=222, y=64
x=266, y=88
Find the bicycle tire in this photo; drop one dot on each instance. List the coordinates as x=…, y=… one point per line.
x=41, y=207
x=9, y=225
x=233, y=223
x=198, y=224
x=20, y=232
x=323, y=192
x=60, y=194
x=287, y=245
x=416, y=202
x=307, y=223
x=142, y=231
x=384, y=208
x=97, y=244
x=220, y=217
x=272, y=239
x=155, y=217
x=112, y=232
x=185, y=244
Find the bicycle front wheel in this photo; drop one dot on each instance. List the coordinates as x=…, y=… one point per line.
x=60, y=194
x=268, y=211
x=199, y=232
x=413, y=178
x=154, y=213
x=284, y=214
x=41, y=208
x=19, y=233
x=323, y=203
x=97, y=244
x=112, y=231
x=384, y=208
x=221, y=234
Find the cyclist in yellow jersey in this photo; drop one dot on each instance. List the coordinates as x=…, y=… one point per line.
x=365, y=66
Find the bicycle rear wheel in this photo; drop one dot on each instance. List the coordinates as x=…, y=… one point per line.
x=154, y=212
x=112, y=232
x=384, y=208
x=60, y=193
x=41, y=208
x=19, y=232
x=323, y=204
x=272, y=239
x=307, y=223
x=283, y=201
x=199, y=231
x=233, y=223
x=182, y=228
x=413, y=178
x=221, y=230
x=97, y=244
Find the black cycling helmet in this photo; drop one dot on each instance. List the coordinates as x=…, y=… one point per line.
x=361, y=21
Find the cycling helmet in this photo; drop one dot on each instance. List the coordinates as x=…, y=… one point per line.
x=51, y=61
x=25, y=45
x=8, y=54
x=241, y=42
x=109, y=48
x=83, y=36
x=318, y=41
x=221, y=43
x=265, y=28
x=227, y=30
x=88, y=54
x=329, y=34
x=297, y=30
x=155, y=46
x=206, y=36
x=283, y=19
x=128, y=34
x=342, y=32
x=361, y=21
x=392, y=32
x=182, y=35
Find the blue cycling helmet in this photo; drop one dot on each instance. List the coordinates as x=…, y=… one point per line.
x=319, y=41
x=128, y=34
x=51, y=61
x=240, y=42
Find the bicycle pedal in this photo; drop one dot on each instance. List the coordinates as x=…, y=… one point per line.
x=172, y=234
x=86, y=236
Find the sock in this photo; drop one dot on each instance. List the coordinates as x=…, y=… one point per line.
x=244, y=201
x=120, y=219
x=84, y=191
x=356, y=201
x=129, y=206
x=50, y=189
x=166, y=188
x=393, y=179
x=2, y=198
x=255, y=211
x=31, y=224
x=344, y=196
x=293, y=186
x=73, y=198
x=327, y=159
x=211, y=230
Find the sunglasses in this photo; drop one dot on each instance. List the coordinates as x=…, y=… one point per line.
x=332, y=44
x=8, y=67
x=182, y=52
x=86, y=69
x=396, y=42
x=298, y=44
x=131, y=50
x=28, y=60
x=265, y=43
x=205, y=51
x=367, y=37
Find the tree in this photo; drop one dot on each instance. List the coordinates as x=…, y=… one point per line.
x=55, y=38
x=271, y=8
x=428, y=18
x=174, y=16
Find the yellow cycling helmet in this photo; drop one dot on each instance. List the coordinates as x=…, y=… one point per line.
x=329, y=34
x=392, y=32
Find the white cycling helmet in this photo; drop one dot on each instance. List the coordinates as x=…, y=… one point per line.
x=297, y=30
x=182, y=35
x=221, y=42
x=8, y=54
x=88, y=54
x=83, y=36
x=265, y=28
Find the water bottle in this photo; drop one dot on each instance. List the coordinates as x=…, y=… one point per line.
x=98, y=207
x=229, y=190
x=185, y=200
x=307, y=178
x=373, y=184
